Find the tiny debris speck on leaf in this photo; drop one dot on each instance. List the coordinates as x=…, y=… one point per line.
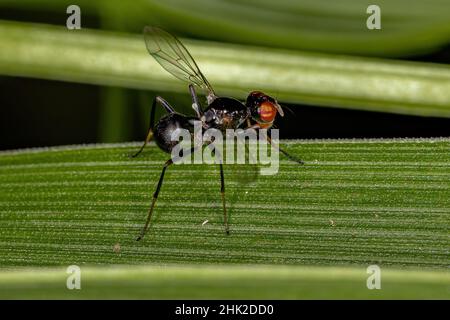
x=116, y=248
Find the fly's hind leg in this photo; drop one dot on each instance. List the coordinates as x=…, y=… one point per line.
x=222, y=193
x=149, y=136
x=155, y=195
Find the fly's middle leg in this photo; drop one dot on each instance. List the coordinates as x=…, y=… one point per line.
x=217, y=155
x=149, y=135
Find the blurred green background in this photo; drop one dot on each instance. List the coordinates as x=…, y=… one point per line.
x=40, y=112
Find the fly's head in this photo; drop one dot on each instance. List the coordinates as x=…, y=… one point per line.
x=263, y=108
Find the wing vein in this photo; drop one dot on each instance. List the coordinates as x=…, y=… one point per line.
x=173, y=56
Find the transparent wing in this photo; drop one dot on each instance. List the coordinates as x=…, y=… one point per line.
x=173, y=56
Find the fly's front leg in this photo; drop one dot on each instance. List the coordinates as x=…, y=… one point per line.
x=275, y=146
x=149, y=136
x=289, y=156
x=255, y=126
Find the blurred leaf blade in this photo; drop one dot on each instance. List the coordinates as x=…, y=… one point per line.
x=408, y=28
x=121, y=60
x=222, y=282
x=340, y=27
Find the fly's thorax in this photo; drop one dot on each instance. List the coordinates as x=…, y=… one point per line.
x=166, y=129
x=225, y=113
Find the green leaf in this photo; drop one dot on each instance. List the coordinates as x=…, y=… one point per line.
x=121, y=60
x=223, y=282
x=354, y=202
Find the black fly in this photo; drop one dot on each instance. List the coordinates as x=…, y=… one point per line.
x=222, y=113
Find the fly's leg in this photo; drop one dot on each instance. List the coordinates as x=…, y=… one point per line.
x=149, y=136
x=155, y=196
x=290, y=157
x=222, y=190
x=195, y=103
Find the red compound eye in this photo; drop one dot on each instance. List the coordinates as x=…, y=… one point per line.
x=267, y=111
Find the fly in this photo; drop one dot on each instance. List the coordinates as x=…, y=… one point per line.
x=258, y=112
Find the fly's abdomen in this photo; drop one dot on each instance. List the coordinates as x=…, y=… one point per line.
x=166, y=127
